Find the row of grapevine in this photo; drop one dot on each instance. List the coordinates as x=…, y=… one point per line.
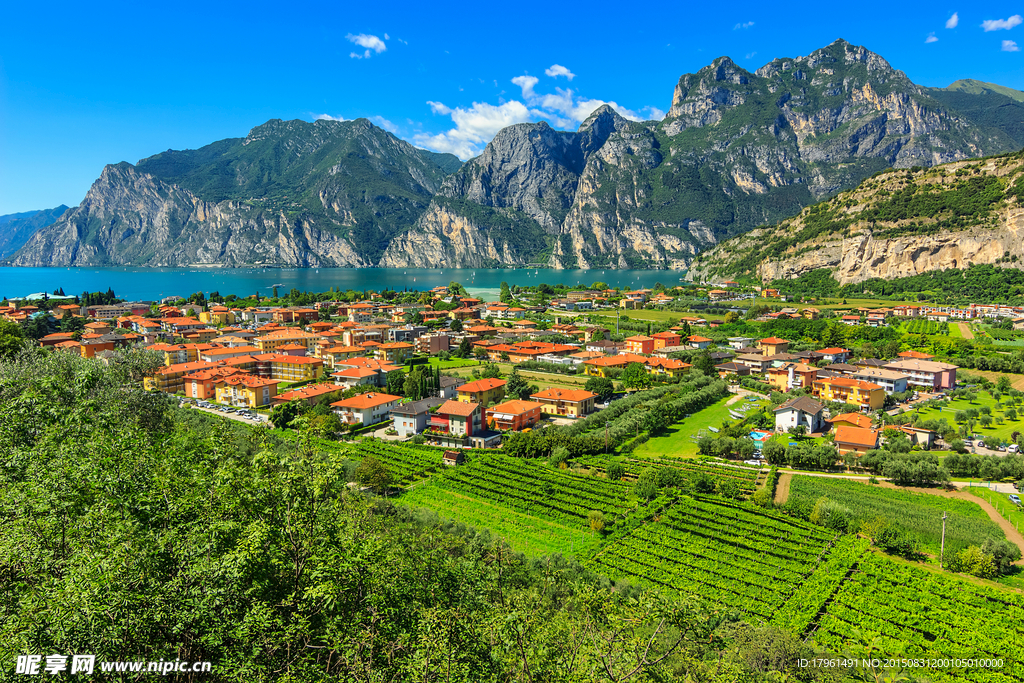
x=529, y=487
x=744, y=477
x=731, y=554
x=908, y=611
x=407, y=463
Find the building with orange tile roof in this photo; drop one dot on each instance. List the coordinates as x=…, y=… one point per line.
x=667, y=366
x=394, y=353
x=515, y=415
x=663, y=339
x=528, y=350
x=847, y=390
x=568, y=402
x=457, y=418
x=202, y=384
x=771, y=346
x=311, y=394
x=365, y=409
x=855, y=440
x=858, y=420
x=696, y=341
x=216, y=353
x=596, y=367
x=485, y=391
x=640, y=344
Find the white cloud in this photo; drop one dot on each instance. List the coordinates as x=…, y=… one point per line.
x=370, y=42
x=526, y=83
x=953, y=20
x=385, y=124
x=1010, y=46
x=1002, y=24
x=556, y=70
x=327, y=117
x=474, y=126
x=751, y=55
x=931, y=38
x=387, y=37
x=654, y=114
x=743, y=25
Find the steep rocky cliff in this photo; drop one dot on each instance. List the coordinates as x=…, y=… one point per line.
x=737, y=150
x=291, y=193
x=895, y=224
x=16, y=229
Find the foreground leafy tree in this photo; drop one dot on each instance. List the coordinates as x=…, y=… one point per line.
x=131, y=529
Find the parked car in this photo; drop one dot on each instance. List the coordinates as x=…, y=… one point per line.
x=1013, y=448
x=1015, y=499
x=981, y=444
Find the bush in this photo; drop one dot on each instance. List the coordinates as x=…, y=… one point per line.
x=831, y=514
x=615, y=470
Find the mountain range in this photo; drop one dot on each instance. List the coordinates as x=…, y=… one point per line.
x=736, y=150
x=17, y=228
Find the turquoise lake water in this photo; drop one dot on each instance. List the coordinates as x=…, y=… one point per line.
x=156, y=283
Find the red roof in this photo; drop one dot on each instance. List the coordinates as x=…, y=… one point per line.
x=855, y=436
x=481, y=385
x=515, y=407
x=774, y=340
x=457, y=408
x=364, y=401
x=832, y=351
x=571, y=395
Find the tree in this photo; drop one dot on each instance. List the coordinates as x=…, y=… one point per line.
x=12, y=339
x=373, y=473
x=646, y=487
x=465, y=348
x=635, y=376
x=396, y=382
x=704, y=363
x=596, y=519
x=1003, y=384
x=774, y=452
x=479, y=352
x=456, y=288
x=516, y=386
x=602, y=386
x=491, y=371
x=456, y=326
x=505, y=296
x=282, y=414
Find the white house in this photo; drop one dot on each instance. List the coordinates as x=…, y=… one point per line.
x=365, y=409
x=802, y=410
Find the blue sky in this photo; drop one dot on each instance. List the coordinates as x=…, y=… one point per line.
x=86, y=84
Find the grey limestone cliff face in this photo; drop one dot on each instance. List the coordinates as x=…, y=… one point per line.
x=132, y=218
x=864, y=257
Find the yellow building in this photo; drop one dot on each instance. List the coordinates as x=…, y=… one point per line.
x=484, y=391
x=252, y=392
x=853, y=391
x=568, y=402
x=270, y=342
x=218, y=315
x=596, y=367
x=289, y=368
x=667, y=366
x=393, y=352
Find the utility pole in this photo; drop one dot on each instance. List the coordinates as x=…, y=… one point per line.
x=942, y=546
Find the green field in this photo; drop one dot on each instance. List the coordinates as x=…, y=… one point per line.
x=919, y=513
x=525, y=533
x=1003, y=430
x=678, y=441
x=1012, y=513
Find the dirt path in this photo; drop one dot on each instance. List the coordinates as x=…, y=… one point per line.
x=782, y=488
x=965, y=330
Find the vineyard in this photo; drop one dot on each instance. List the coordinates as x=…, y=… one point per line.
x=556, y=495
x=918, y=513
x=906, y=611
x=744, y=477
x=733, y=555
x=922, y=326
x=406, y=463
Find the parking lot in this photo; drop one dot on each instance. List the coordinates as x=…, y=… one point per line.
x=239, y=414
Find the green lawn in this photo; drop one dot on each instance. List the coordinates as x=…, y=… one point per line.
x=524, y=533
x=453, y=363
x=651, y=315
x=676, y=441
x=1001, y=502
x=1003, y=430
x=954, y=331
